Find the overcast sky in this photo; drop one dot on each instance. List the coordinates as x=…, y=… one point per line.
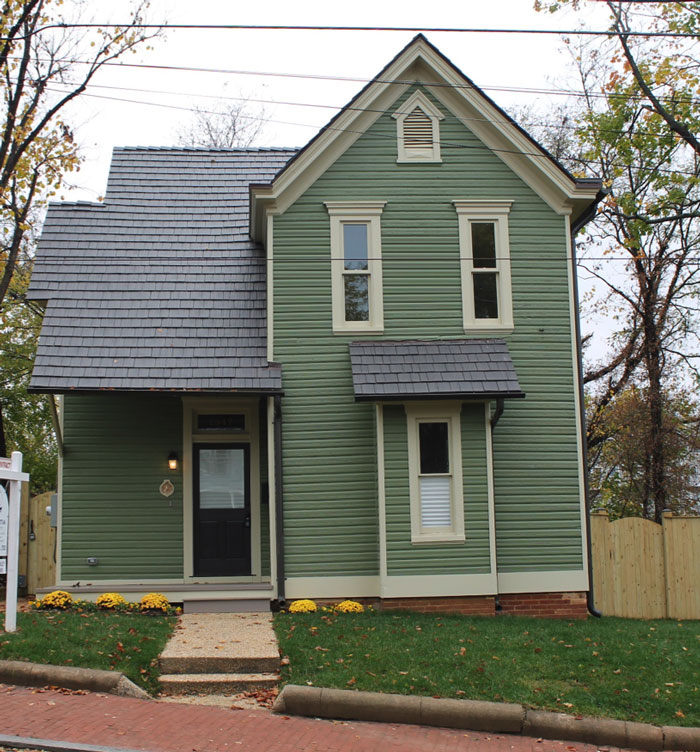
x=297, y=107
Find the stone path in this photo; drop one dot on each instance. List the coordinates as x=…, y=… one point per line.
x=127, y=723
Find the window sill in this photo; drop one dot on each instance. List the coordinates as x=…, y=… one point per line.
x=480, y=329
x=358, y=330
x=432, y=539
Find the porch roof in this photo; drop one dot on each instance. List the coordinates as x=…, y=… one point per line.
x=159, y=287
x=433, y=369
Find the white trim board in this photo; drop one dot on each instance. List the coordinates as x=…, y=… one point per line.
x=543, y=582
x=366, y=586
x=438, y=586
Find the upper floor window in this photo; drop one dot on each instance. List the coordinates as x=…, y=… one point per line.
x=485, y=265
x=356, y=265
x=418, y=130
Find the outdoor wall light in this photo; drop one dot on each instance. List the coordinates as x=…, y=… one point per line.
x=172, y=460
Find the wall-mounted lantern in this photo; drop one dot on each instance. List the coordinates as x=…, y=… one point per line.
x=173, y=461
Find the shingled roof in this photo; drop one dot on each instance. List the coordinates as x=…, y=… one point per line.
x=158, y=287
x=433, y=369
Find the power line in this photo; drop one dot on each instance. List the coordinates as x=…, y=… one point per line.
x=328, y=127
x=357, y=79
x=413, y=29
x=218, y=97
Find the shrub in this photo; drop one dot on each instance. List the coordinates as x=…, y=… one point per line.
x=57, y=599
x=110, y=600
x=349, y=607
x=303, y=606
x=155, y=602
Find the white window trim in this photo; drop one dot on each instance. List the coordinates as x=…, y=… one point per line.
x=418, y=99
x=358, y=212
x=432, y=412
x=485, y=211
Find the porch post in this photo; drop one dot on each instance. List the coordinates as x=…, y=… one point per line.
x=279, y=499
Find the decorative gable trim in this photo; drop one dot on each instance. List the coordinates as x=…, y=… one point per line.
x=420, y=61
x=418, y=130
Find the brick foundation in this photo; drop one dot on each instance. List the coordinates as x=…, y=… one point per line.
x=551, y=605
x=469, y=605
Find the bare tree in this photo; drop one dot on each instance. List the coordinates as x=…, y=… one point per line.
x=223, y=125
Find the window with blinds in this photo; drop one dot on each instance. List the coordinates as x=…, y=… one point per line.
x=435, y=479
x=435, y=465
x=418, y=129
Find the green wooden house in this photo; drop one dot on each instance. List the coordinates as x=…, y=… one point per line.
x=349, y=370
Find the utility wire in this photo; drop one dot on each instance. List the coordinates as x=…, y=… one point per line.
x=414, y=29
x=443, y=143
x=355, y=79
x=217, y=97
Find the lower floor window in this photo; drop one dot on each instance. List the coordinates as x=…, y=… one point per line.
x=434, y=447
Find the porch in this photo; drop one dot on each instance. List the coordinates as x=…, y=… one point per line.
x=169, y=493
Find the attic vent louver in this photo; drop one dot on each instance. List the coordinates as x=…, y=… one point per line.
x=418, y=130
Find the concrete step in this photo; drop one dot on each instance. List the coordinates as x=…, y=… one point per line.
x=192, y=664
x=182, y=684
x=237, y=605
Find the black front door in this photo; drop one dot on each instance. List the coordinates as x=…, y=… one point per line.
x=221, y=509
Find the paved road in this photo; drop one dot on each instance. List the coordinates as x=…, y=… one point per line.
x=171, y=727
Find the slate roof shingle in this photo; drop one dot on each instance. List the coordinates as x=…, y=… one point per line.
x=430, y=369
x=160, y=286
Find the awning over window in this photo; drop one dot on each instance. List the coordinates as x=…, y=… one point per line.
x=443, y=369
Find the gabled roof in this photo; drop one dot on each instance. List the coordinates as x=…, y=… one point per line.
x=160, y=286
x=476, y=369
x=421, y=62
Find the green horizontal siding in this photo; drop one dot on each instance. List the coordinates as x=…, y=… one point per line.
x=405, y=558
x=330, y=464
x=115, y=458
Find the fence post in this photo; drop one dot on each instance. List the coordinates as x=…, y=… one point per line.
x=666, y=522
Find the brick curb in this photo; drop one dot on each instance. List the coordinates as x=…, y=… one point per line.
x=26, y=742
x=71, y=677
x=475, y=715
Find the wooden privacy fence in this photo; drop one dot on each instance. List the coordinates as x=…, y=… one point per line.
x=37, y=542
x=645, y=570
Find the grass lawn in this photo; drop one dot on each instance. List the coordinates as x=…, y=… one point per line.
x=129, y=643
x=618, y=668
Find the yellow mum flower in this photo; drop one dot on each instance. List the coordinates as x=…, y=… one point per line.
x=154, y=602
x=303, y=606
x=350, y=607
x=57, y=599
x=110, y=600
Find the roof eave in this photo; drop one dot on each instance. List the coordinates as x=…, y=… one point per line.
x=461, y=396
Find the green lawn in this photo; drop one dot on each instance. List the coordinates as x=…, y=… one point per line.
x=130, y=643
x=619, y=668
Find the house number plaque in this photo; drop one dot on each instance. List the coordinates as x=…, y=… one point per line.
x=167, y=488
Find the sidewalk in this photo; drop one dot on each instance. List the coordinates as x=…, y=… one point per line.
x=123, y=722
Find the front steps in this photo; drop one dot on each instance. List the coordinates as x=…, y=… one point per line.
x=220, y=653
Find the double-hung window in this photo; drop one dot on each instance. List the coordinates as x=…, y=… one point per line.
x=435, y=466
x=356, y=265
x=485, y=265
